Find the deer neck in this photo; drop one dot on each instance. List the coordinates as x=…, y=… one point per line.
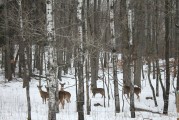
x=40, y=91
x=61, y=89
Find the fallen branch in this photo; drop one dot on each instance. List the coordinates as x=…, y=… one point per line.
x=141, y=109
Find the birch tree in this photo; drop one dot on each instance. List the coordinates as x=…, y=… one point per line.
x=51, y=74
x=82, y=37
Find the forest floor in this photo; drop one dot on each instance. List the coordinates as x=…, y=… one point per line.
x=13, y=104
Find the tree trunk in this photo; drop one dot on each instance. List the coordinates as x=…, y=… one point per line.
x=153, y=91
x=103, y=78
x=82, y=38
x=115, y=58
x=8, y=72
x=125, y=43
x=28, y=102
x=87, y=87
x=95, y=52
x=116, y=89
x=52, y=70
x=167, y=19
x=157, y=80
x=85, y=26
x=177, y=43
x=24, y=56
x=156, y=45
x=132, y=105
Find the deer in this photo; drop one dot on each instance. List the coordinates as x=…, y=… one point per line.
x=60, y=95
x=127, y=90
x=66, y=94
x=43, y=94
x=98, y=90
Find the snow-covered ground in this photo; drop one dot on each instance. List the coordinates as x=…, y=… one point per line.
x=13, y=105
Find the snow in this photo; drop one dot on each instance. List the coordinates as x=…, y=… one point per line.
x=13, y=105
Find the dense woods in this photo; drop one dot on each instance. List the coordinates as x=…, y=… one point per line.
x=47, y=38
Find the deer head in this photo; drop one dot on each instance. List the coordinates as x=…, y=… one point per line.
x=62, y=86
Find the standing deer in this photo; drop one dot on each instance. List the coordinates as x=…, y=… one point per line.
x=66, y=94
x=98, y=90
x=43, y=94
x=60, y=95
x=127, y=90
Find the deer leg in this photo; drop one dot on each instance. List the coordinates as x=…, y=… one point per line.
x=127, y=95
x=93, y=94
x=59, y=102
x=69, y=100
x=63, y=103
x=138, y=97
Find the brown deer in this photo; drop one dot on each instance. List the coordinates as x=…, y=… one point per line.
x=66, y=94
x=127, y=90
x=43, y=94
x=98, y=90
x=61, y=97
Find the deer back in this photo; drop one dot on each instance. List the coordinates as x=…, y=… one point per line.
x=127, y=90
x=137, y=90
x=44, y=94
x=98, y=90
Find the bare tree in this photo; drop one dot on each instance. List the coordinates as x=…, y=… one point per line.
x=167, y=19
x=8, y=72
x=24, y=59
x=177, y=36
x=114, y=57
x=127, y=52
x=94, y=53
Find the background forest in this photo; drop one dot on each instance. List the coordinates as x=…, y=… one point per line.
x=91, y=40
